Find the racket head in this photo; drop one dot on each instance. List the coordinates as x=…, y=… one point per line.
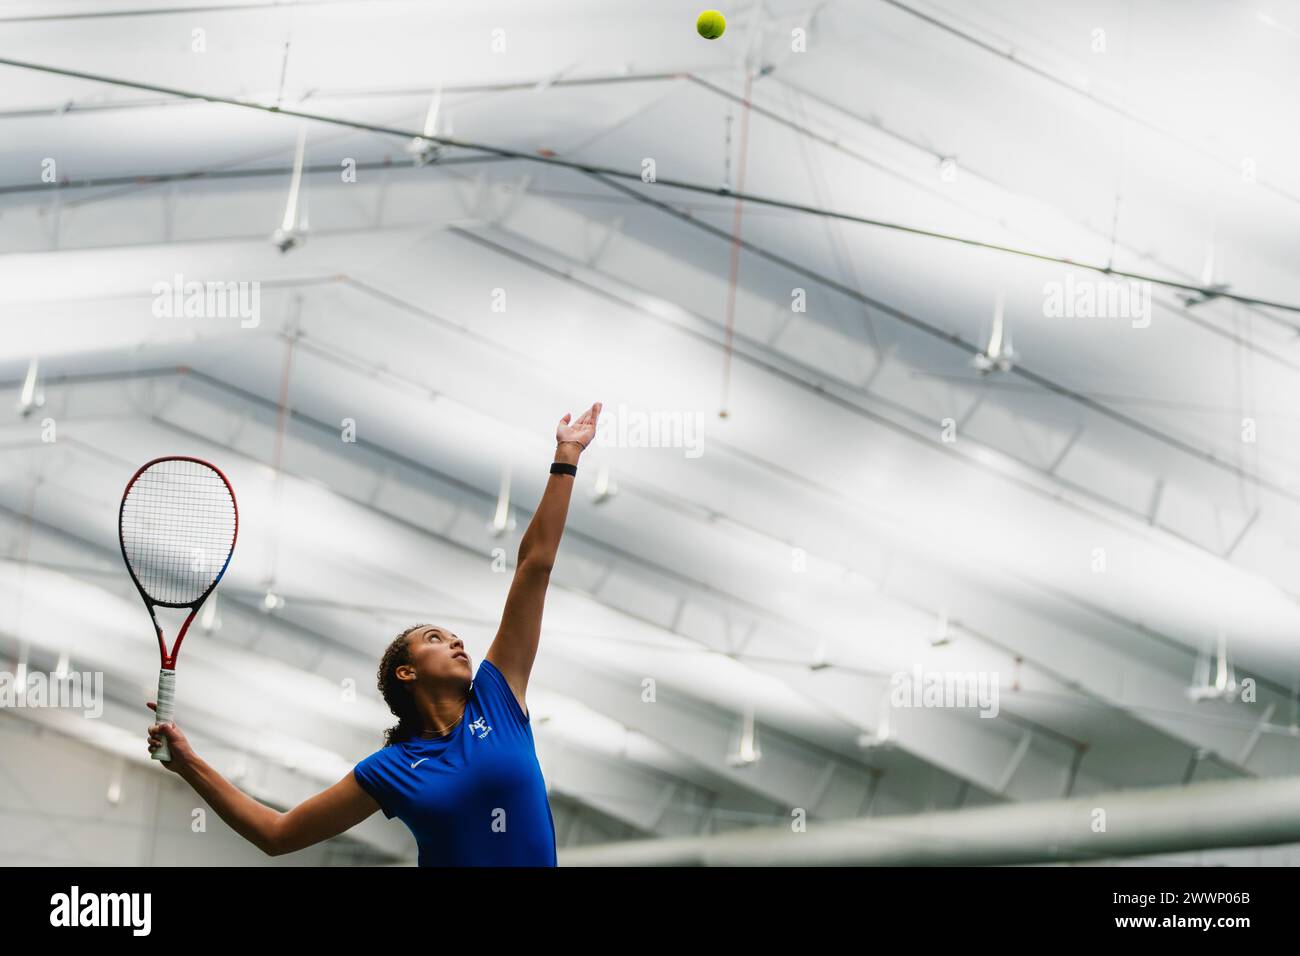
x=177, y=527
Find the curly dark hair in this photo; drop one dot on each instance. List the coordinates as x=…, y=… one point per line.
x=396, y=695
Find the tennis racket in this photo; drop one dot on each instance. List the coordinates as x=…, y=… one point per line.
x=177, y=527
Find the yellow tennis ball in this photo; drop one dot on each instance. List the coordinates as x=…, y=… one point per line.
x=711, y=24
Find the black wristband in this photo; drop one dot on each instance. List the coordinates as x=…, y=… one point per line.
x=563, y=468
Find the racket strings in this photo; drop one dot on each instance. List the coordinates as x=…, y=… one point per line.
x=178, y=529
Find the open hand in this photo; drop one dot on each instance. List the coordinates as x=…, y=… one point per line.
x=581, y=431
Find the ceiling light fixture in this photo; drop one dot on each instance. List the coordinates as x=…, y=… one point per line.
x=31, y=397
x=291, y=233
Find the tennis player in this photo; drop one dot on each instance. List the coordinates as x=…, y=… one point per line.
x=459, y=768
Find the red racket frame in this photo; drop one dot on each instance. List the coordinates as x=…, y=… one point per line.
x=169, y=659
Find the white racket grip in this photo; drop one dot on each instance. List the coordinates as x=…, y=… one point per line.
x=166, y=708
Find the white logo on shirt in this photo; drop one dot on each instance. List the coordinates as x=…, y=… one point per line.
x=418, y=762
x=480, y=724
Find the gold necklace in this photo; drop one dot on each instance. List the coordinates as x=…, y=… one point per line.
x=430, y=733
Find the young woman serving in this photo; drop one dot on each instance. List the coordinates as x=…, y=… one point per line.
x=459, y=768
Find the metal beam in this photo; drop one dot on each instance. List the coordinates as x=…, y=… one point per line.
x=1201, y=816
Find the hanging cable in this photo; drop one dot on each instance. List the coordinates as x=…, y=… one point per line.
x=613, y=173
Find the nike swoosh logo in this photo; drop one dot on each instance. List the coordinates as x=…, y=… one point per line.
x=418, y=762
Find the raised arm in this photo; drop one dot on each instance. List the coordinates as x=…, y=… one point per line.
x=515, y=646
x=327, y=814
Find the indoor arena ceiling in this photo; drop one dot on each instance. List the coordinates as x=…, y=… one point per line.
x=1101, y=523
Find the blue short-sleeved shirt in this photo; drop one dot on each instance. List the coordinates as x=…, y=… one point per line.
x=476, y=797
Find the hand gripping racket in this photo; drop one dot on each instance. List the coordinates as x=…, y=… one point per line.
x=177, y=527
